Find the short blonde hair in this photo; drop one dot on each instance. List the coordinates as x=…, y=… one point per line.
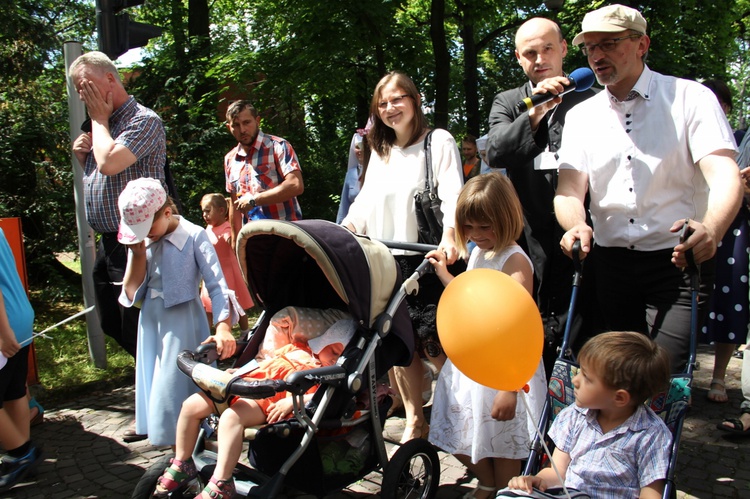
x=216, y=200
x=169, y=203
x=491, y=199
x=628, y=361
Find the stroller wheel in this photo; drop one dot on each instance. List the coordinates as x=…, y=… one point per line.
x=413, y=472
x=146, y=486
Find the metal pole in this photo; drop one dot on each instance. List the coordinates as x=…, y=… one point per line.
x=86, y=240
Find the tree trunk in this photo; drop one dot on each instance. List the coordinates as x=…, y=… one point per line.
x=177, y=13
x=442, y=62
x=471, y=83
x=199, y=28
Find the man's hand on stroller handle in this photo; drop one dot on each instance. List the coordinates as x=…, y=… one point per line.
x=580, y=232
x=696, y=236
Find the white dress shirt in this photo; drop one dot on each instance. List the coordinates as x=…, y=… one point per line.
x=640, y=156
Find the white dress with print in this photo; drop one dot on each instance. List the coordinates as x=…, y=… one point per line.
x=461, y=423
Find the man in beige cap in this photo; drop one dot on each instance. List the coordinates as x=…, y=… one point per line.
x=655, y=153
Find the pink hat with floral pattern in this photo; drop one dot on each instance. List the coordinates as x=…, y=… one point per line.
x=138, y=203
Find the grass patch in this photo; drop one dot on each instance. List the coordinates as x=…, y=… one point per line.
x=64, y=366
x=71, y=261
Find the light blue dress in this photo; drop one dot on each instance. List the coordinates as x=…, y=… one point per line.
x=172, y=319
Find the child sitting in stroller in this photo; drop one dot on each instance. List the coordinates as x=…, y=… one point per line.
x=323, y=350
x=609, y=444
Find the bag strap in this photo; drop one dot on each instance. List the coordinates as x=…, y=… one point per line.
x=428, y=184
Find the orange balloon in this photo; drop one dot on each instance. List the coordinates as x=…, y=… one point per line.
x=490, y=328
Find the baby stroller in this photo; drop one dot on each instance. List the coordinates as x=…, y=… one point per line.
x=318, y=264
x=670, y=405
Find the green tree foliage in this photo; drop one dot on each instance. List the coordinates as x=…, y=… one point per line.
x=310, y=67
x=36, y=178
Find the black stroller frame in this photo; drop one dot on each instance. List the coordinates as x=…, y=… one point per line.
x=348, y=272
x=671, y=405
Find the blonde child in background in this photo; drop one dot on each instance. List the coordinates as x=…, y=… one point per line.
x=486, y=429
x=167, y=258
x=216, y=215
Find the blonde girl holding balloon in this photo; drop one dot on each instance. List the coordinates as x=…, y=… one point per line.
x=488, y=430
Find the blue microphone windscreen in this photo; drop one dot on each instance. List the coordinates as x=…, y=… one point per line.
x=583, y=77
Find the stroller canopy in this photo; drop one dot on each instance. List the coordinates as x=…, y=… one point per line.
x=319, y=264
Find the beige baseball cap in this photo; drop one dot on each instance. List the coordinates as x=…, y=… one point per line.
x=612, y=18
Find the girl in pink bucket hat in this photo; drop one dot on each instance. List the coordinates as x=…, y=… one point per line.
x=167, y=258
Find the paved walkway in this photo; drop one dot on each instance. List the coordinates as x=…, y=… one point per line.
x=84, y=456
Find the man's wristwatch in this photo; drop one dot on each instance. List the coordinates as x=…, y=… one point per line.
x=252, y=202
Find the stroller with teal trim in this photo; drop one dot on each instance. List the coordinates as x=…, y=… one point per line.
x=670, y=405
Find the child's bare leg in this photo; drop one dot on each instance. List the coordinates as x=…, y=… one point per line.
x=196, y=408
x=505, y=469
x=484, y=470
x=232, y=424
x=14, y=423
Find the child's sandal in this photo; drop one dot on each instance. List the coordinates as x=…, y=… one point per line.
x=172, y=478
x=224, y=489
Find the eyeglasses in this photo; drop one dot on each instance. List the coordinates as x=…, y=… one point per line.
x=606, y=45
x=396, y=101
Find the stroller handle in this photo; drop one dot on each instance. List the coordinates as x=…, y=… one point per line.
x=416, y=247
x=422, y=269
x=577, y=262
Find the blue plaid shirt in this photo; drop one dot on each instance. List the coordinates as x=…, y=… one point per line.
x=140, y=130
x=616, y=464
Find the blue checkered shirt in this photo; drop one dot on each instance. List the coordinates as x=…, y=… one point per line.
x=140, y=130
x=616, y=464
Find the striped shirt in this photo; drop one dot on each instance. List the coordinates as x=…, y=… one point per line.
x=140, y=130
x=616, y=464
x=270, y=160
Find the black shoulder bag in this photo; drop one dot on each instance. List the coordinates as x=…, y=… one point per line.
x=427, y=203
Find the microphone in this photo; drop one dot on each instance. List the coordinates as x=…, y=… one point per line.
x=580, y=80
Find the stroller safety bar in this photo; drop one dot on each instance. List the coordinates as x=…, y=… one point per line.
x=298, y=382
